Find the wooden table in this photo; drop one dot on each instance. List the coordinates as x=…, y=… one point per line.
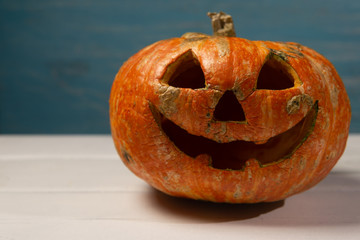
x=75, y=187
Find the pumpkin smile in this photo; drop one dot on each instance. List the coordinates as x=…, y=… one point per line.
x=233, y=155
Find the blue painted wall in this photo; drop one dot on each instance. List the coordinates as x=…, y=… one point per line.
x=58, y=58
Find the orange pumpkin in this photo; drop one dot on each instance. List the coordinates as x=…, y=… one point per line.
x=225, y=119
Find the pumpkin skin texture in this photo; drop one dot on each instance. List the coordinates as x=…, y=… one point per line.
x=183, y=138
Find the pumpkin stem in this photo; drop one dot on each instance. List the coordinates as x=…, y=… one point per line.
x=222, y=24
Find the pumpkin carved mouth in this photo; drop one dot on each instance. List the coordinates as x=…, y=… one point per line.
x=233, y=155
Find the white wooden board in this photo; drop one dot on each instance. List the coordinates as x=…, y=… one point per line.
x=76, y=187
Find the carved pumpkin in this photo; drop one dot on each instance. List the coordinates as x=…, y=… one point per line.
x=226, y=119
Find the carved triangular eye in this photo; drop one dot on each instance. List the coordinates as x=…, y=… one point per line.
x=276, y=74
x=185, y=72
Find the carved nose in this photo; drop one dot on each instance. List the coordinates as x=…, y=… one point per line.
x=229, y=108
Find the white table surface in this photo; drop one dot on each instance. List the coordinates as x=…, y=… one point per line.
x=76, y=187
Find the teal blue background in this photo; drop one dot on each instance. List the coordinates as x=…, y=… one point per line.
x=58, y=58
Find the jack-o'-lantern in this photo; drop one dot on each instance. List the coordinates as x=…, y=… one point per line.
x=225, y=119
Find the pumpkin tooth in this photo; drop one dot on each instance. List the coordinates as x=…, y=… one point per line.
x=261, y=142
